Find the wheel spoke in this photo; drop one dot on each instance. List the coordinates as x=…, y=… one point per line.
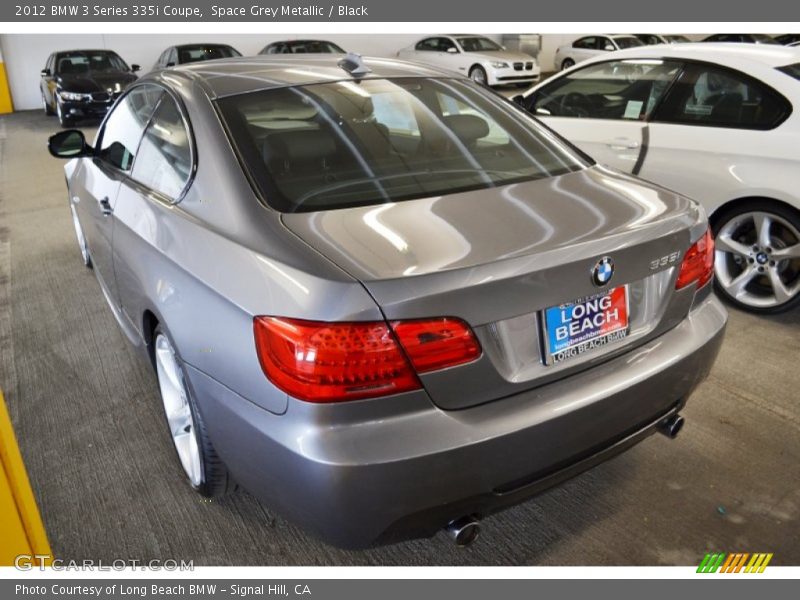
x=787, y=253
x=737, y=287
x=782, y=293
x=763, y=222
x=726, y=243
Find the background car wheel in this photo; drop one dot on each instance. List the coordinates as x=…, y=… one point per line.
x=568, y=62
x=48, y=110
x=478, y=74
x=87, y=259
x=65, y=121
x=757, y=262
x=204, y=469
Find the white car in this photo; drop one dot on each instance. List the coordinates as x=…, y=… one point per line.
x=719, y=123
x=482, y=59
x=590, y=46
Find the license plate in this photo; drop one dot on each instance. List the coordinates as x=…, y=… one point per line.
x=585, y=324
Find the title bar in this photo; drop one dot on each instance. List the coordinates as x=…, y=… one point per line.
x=476, y=11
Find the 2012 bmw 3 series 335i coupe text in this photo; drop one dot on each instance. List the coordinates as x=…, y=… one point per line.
x=381, y=298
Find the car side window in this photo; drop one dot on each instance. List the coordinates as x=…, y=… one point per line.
x=164, y=160
x=713, y=96
x=620, y=89
x=585, y=43
x=603, y=43
x=118, y=139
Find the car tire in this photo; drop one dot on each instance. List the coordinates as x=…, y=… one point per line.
x=478, y=75
x=204, y=469
x=568, y=62
x=48, y=109
x=749, y=238
x=65, y=121
x=84, y=248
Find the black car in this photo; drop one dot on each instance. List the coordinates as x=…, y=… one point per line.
x=788, y=38
x=302, y=47
x=83, y=84
x=189, y=53
x=742, y=38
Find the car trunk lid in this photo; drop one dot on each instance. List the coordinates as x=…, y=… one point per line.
x=499, y=258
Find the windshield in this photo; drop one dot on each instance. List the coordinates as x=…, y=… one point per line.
x=189, y=54
x=76, y=63
x=351, y=143
x=478, y=44
x=791, y=70
x=312, y=47
x=628, y=42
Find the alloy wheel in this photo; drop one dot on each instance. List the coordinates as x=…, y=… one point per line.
x=178, y=410
x=758, y=259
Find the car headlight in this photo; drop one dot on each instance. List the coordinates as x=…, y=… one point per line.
x=73, y=96
x=499, y=65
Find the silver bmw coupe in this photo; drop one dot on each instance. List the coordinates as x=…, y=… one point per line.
x=382, y=298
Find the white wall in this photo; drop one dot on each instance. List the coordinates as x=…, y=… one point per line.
x=26, y=54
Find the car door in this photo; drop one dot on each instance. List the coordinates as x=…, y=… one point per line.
x=584, y=48
x=96, y=185
x=603, y=108
x=713, y=137
x=161, y=171
x=48, y=84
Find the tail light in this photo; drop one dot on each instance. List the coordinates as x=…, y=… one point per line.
x=335, y=362
x=698, y=263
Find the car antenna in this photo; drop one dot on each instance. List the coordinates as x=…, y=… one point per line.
x=354, y=64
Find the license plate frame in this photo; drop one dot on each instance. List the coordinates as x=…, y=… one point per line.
x=590, y=337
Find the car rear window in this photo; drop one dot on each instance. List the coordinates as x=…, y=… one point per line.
x=791, y=70
x=355, y=143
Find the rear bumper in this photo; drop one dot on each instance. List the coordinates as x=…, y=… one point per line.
x=391, y=475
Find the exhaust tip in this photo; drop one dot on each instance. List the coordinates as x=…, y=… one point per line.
x=464, y=531
x=671, y=426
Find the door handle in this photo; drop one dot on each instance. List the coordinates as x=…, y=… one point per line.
x=622, y=144
x=105, y=206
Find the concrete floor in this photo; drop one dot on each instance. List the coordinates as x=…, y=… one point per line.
x=87, y=415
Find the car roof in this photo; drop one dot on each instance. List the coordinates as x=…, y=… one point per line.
x=724, y=53
x=85, y=50
x=232, y=76
x=203, y=45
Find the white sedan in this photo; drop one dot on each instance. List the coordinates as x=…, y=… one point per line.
x=719, y=123
x=590, y=46
x=478, y=57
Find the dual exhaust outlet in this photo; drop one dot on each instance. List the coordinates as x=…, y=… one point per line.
x=465, y=530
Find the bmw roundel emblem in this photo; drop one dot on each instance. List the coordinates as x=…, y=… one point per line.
x=603, y=271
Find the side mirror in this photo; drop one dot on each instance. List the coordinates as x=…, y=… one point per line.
x=69, y=143
x=518, y=99
x=609, y=48
x=45, y=72
x=452, y=50
x=135, y=68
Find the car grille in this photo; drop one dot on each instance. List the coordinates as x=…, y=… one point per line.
x=518, y=66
